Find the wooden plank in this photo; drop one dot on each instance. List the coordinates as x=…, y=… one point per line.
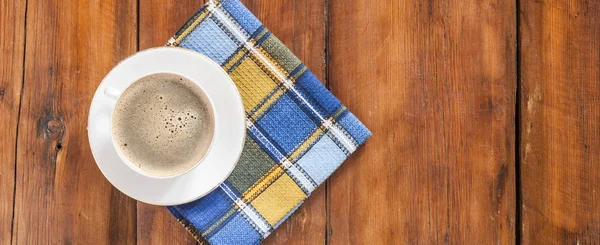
x=560, y=108
x=61, y=196
x=300, y=25
x=156, y=225
x=435, y=81
x=12, y=44
x=159, y=20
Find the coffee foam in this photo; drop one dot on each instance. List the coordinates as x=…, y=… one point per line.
x=163, y=124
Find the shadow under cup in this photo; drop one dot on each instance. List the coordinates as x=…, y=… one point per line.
x=163, y=125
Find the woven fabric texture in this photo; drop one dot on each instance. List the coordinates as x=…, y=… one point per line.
x=298, y=133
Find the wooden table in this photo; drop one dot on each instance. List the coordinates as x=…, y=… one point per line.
x=485, y=116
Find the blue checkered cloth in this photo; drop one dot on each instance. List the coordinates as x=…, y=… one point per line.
x=298, y=133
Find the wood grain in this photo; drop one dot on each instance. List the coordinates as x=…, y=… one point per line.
x=560, y=108
x=435, y=81
x=156, y=225
x=12, y=48
x=159, y=20
x=61, y=196
x=300, y=25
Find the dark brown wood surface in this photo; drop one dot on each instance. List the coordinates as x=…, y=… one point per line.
x=12, y=27
x=435, y=81
x=61, y=196
x=560, y=108
x=474, y=141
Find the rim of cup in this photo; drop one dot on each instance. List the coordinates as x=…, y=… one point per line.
x=115, y=95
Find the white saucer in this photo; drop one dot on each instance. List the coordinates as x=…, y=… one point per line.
x=229, y=134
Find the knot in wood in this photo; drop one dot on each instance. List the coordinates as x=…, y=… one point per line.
x=54, y=129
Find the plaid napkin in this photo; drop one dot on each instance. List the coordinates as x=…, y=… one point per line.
x=298, y=133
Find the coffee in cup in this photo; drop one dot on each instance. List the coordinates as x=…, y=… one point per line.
x=163, y=124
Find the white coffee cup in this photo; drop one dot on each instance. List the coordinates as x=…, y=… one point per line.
x=226, y=145
x=116, y=94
